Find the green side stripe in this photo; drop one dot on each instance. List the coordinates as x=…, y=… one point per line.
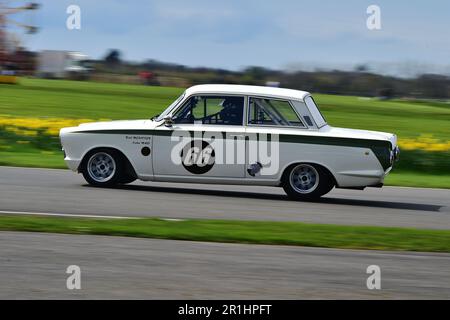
x=130, y=132
x=381, y=149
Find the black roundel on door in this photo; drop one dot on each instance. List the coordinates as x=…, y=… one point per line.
x=197, y=157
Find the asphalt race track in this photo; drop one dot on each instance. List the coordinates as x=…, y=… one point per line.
x=34, y=266
x=65, y=192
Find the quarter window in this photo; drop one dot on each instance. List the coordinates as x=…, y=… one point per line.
x=273, y=112
x=223, y=110
x=318, y=117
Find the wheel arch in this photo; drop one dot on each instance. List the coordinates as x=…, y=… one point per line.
x=128, y=166
x=290, y=165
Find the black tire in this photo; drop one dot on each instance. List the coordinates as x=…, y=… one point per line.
x=92, y=165
x=126, y=178
x=128, y=173
x=297, y=188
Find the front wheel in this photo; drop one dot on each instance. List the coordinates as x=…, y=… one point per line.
x=103, y=168
x=307, y=181
x=126, y=178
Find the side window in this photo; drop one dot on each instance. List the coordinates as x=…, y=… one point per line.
x=272, y=112
x=257, y=114
x=221, y=110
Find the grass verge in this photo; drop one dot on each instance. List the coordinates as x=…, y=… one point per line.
x=39, y=102
x=255, y=232
x=416, y=179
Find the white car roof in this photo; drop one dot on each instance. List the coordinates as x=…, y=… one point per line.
x=247, y=90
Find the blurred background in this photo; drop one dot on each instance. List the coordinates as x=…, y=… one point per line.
x=131, y=60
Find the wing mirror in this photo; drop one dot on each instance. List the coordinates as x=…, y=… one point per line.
x=168, y=121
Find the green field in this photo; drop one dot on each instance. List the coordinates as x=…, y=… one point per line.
x=46, y=99
x=256, y=232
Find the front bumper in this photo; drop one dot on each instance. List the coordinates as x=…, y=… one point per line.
x=395, y=155
x=72, y=164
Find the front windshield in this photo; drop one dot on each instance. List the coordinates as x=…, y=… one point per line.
x=170, y=108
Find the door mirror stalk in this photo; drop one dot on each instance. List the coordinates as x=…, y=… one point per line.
x=168, y=121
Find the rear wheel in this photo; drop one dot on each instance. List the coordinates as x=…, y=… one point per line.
x=306, y=181
x=103, y=168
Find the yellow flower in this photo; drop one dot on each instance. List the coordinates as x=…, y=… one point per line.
x=30, y=127
x=425, y=143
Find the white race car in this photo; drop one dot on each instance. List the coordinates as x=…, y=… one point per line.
x=233, y=134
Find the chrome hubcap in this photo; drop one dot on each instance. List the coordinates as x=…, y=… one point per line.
x=304, y=178
x=101, y=167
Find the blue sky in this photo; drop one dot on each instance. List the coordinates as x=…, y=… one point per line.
x=232, y=34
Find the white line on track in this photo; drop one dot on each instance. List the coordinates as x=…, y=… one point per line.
x=36, y=168
x=64, y=215
x=69, y=215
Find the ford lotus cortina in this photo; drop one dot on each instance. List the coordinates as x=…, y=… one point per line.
x=233, y=134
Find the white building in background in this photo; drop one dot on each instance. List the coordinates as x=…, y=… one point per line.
x=61, y=64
